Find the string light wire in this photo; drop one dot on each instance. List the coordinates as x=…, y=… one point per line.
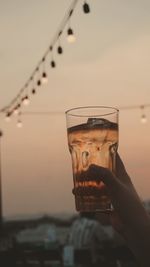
x=52, y=44
x=121, y=108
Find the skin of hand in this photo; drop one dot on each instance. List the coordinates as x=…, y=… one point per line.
x=129, y=217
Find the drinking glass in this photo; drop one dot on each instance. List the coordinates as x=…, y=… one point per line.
x=92, y=139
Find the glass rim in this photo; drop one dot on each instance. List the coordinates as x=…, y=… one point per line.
x=115, y=110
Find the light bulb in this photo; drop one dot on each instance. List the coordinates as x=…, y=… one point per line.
x=143, y=119
x=44, y=78
x=53, y=64
x=71, y=38
x=7, y=117
x=19, y=123
x=33, y=91
x=59, y=50
x=38, y=82
x=26, y=100
x=16, y=110
x=86, y=8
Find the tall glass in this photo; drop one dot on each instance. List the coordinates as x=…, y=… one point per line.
x=92, y=139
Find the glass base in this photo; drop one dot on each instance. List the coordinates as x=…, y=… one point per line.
x=92, y=204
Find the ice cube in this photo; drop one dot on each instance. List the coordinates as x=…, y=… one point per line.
x=98, y=121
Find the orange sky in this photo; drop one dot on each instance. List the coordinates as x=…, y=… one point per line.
x=108, y=65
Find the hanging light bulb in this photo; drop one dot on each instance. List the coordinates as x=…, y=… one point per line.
x=38, y=82
x=53, y=64
x=70, y=36
x=143, y=116
x=59, y=50
x=33, y=91
x=44, y=78
x=16, y=110
x=51, y=48
x=86, y=8
x=7, y=117
x=26, y=100
x=19, y=123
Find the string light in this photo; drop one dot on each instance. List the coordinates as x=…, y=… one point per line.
x=141, y=107
x=23, y=96
x=44, y=78
x=38, y=79
x=143, y=116
x=53, y=63
x=59, y=50
x=33, y=91
x=38, y=82
x=19, y=123
x=7, y=117
x=16, y=110
x=25, y=100
x=86, y=8
x=70, y=35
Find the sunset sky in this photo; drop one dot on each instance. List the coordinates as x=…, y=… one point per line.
x=109, y=64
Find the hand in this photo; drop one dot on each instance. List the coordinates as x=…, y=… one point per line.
x=129, y=216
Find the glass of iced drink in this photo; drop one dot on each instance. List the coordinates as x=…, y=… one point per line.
x=92, y=139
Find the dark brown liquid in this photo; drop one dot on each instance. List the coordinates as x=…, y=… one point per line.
x=92, y=144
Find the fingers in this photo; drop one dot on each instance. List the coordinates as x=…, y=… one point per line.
x=115, y=183
x=103, y=174
x=98, y=173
